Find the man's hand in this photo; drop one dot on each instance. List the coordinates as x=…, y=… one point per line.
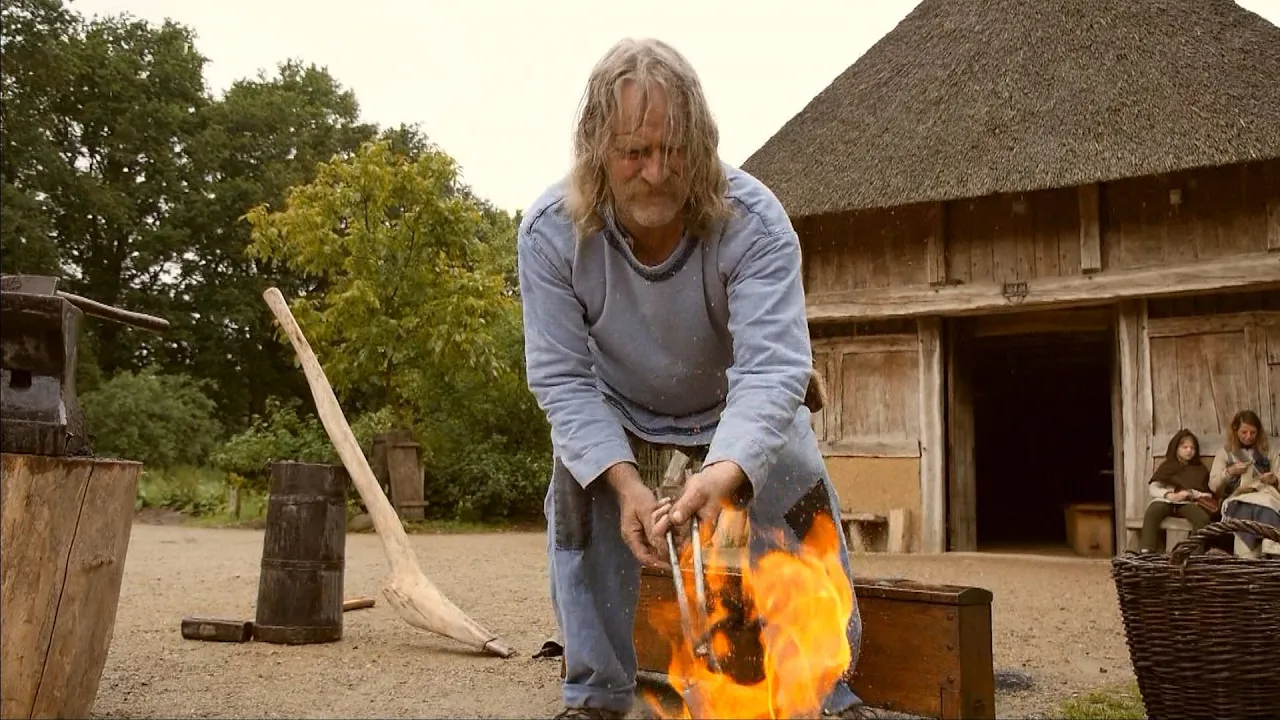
x=704, y=495
x=636, y=503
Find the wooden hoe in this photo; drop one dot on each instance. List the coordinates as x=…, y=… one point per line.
x=415, y=598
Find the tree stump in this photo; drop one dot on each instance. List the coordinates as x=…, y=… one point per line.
x=303, y=555
x=66, y=523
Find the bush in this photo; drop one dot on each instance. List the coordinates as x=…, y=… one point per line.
x=188, y=490
x=161, y=420
x=283, y=434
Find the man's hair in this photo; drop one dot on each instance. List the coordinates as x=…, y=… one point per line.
x=689, y=123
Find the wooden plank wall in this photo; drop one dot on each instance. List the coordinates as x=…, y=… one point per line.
x=1192, y=371
x=1189, y=216
x=1125, y=225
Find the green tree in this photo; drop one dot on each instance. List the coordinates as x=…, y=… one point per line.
x=407, y=288
x=35, y=36
x=263, y=136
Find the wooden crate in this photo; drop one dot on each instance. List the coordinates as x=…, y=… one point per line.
x=1090, y=529
x=926, y=649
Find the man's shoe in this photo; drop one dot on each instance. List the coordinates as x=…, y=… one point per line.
x=589, y=714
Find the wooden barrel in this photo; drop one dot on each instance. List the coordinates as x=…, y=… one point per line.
x=303, y=555
x=65, y=524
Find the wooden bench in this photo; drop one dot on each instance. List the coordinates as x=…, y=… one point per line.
x=1175, y=530
x=861, y=527
x=926, y=649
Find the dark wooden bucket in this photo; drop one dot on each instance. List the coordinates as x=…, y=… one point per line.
x=303, y=555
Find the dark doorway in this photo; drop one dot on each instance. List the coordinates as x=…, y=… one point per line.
x=1042, y=434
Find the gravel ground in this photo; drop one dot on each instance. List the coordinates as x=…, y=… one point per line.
x=1057, y=630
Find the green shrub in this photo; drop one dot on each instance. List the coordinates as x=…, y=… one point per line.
x=161, y=420
x=283, y=434
x=1115, y=703
x=188, y=490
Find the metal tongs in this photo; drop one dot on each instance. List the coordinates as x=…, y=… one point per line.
x=697, y=628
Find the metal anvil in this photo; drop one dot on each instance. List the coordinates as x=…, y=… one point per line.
x=39, y=338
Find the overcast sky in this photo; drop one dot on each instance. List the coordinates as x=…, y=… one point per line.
x=496, y=83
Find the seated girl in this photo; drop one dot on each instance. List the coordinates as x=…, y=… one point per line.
x=1244, y=474
x=1179, y=488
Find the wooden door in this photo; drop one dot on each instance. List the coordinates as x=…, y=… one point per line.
x=873, y=389
x=1203, y=371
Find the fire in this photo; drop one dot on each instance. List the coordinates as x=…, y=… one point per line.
x=800, y=602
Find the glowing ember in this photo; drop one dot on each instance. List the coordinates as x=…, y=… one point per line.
x=802, y=600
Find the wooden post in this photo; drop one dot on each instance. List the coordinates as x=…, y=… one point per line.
x=405, y=468
x=66, y=524
x=303, y=555
x=933, y=441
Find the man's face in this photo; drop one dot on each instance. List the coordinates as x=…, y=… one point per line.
x=646, y=175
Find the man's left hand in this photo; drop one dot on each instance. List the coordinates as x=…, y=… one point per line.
x=704, y=495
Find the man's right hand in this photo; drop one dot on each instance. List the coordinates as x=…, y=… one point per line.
x=636, y=503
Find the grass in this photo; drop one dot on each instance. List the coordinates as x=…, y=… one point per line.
x=1121, y=702
x=201, y=495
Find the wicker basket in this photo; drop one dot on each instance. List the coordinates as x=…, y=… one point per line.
x=1203, y=629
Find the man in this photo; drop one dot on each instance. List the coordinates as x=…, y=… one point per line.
x=662, y=304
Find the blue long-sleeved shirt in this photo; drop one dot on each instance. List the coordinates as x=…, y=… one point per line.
x=710, y=347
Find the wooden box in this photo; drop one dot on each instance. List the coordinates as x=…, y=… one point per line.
x=926, y=649
x=1091, y=529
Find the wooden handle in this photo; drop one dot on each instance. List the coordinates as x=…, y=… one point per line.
x=357, y=603
x=128, y=317
x=385, y=520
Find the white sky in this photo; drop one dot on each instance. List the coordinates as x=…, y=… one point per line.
x=496, y=83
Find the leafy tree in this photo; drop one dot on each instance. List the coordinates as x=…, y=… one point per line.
x=263, y=136
x=161, y=420
x=406, y=285
x=35, y=36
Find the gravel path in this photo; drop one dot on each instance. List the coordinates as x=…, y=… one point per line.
x=1056, y=627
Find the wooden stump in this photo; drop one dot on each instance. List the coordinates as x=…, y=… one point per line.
x=303, y=555
x=65, y=524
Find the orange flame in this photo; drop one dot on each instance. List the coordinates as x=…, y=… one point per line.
x=802, y=600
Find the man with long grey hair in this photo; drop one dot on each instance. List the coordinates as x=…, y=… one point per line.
x=662, y=304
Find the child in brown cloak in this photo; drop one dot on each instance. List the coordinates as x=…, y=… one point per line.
x=1179, y=488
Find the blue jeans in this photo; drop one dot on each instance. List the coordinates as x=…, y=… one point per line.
x=595, y=579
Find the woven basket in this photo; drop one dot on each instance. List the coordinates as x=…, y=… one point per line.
x=1203, y=630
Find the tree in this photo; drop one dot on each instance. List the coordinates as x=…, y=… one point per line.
x=406, y=286
x=265, y=135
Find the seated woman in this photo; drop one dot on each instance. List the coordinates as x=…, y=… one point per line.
x=1243, y=473
x=1179, y=488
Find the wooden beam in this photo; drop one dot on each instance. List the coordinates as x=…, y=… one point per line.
x=1074, y=320
x=872, y=447
x=1090, y=229
x=1272, y=188
x=1118, y=490
x=867, y=344
x=937, y=244
x=962, y=489
x=1135, y=382
x=1200, y=324
x=933, y=447
x=1255, y=270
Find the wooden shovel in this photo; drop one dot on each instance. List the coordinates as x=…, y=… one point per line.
x=414, y=597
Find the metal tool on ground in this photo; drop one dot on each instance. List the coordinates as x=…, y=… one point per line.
x=39, y=346
x=415, y=598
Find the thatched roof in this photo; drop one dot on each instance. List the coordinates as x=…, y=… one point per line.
x=966, y=98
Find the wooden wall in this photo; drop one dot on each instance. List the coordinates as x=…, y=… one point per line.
x=1077, y=245
x=1194, y=371
x=881, y=430
x=1185, y=217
